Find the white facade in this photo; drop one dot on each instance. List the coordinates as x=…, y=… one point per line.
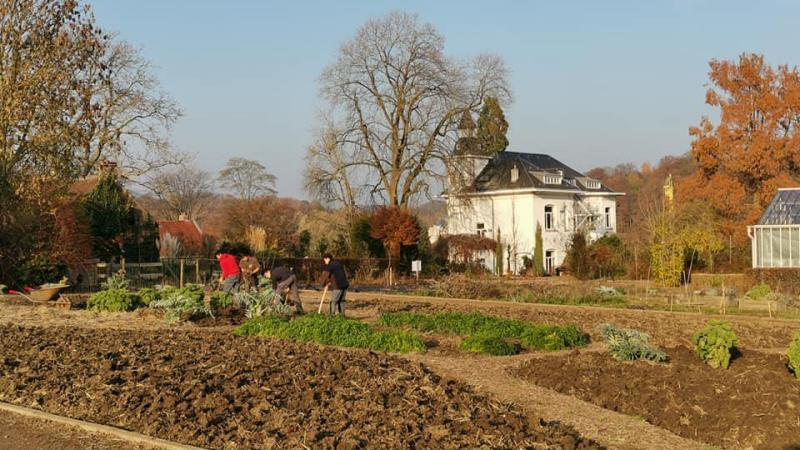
x=515, y=213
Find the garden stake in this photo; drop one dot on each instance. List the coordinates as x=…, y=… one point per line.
x=322, y=300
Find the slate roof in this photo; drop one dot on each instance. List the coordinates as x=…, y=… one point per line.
x=497, y=174
x=784, y=208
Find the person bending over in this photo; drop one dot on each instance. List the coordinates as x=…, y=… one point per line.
x=282, y=280
x=334, y=275
x=230, y=277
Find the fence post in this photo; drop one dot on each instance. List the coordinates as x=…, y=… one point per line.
x=181, y=274
x=197, y=270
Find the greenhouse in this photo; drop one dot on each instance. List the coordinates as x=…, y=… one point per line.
x=776, y=238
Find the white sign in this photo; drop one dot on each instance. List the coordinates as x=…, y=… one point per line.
x=416, y=266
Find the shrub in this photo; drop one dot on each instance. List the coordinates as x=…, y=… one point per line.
x=146, y=296
x=331, y=330
x=758, y=291
x=182, y=304
x=715, y=343
x=530, y=335
x=489, y=343
x=794, y=354
x=114, y=297
x=259, y=303
x=220, y=300
x=629, y=345
x=112, y=300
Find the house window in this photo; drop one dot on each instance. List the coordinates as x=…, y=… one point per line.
x=481, y=229
x=550, y=261
x=608, y=217
x=548, y=218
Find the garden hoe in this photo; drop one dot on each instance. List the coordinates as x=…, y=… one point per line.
x=322, y=300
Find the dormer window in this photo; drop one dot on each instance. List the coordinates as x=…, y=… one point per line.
x=552, y=179
x=590, y=183
x=548, y=177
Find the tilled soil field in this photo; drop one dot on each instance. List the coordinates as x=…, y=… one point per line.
x=212, y=389
x=754, y=403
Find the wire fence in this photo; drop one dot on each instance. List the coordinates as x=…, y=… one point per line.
x=180, y=271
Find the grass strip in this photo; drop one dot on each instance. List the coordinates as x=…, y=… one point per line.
x=332, y=330
x=529, y=335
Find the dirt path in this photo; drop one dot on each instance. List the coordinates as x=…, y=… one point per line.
x=489, y=375
x=20, y=432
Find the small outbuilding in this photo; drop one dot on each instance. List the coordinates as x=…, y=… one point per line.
x=776, y=238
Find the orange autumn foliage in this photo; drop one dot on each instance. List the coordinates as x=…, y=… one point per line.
x=755, y=147
x=395, y=227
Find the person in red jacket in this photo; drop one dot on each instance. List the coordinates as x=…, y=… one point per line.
x=231, y=275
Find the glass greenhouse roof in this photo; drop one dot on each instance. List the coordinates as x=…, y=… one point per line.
x=784, y=209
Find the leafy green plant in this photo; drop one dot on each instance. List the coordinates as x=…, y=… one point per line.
x=114, y=297
x=629, y=345
x=220, y=300
x=181, y=304
x=112, y=300
x=331, y=330
x=794, y=354
x=489, y=343
x=715, y=343
x=258, y=303
x=529, y=335
x=116, y=281
x=758, y=291
x=146, y=296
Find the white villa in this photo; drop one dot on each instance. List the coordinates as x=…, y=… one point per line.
x=510, y=193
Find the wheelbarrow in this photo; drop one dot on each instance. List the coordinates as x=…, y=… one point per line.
x=45, y=293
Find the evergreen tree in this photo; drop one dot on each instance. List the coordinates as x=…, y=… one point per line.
x=111, y=217
x=498, y=255
x=538, y=252
x=116, y=226
x=492, y=128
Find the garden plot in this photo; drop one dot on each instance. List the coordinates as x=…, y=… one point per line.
x=212, y=389
x=754, y=403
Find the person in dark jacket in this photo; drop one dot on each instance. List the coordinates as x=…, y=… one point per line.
x=282, y=280
x=334, y=275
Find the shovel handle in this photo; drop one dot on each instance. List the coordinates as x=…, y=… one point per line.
x=322, y=300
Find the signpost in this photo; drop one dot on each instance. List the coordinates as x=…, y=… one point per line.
x=416, y=267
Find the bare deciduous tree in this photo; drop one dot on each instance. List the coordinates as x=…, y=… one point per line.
x=330, y=174
x=247, y=179
x=187, y=190
x=127, y=115
x=396, y=98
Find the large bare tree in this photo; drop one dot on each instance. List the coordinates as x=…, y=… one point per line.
x=247, y=179
x=185, y=190
x=128, y=117
x=330, y=174
x=395, y=98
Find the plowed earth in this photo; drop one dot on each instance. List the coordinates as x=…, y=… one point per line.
x=215, y=390
x=754, y=403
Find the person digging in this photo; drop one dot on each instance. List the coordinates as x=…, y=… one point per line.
x=283, y=281
x=334, y=275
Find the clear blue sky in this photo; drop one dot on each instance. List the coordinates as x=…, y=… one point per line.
x=595, y=83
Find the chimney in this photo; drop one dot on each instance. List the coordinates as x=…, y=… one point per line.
x=182, y=217
x=514, y=174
